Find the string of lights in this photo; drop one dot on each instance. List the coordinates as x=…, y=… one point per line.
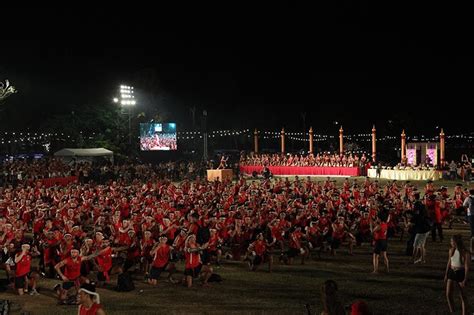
x=37, y=137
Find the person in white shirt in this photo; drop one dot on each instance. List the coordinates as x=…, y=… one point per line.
x=457, y=270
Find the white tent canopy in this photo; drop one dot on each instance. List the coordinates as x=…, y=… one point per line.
x=84, y=154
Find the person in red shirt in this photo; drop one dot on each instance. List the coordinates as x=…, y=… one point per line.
x=178, y=246
x=72, y=273
x=380, y=243
x=339, y=233
x=193, y=265
x=49, y=245
x=363, y=234
x=259, y=253
x=23, y=274
x=161, y=261
x=214, y=248
x=89, y=301
x=295, y=246
x=146, y=244
x=103, y=262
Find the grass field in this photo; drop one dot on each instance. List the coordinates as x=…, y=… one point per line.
x=407, y=289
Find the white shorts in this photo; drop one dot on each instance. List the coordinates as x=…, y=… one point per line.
x=420, y=239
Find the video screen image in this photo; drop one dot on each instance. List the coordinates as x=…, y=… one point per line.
x=158, y=137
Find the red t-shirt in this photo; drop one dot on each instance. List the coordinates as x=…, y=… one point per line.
x=295, y=240
x=162, y=256
x=72, y=269
x=260, y=247
x=104, y=260
x=23, y=266
x=89, y=311
x=382, y=233
x=193, y=260
x=338, y=231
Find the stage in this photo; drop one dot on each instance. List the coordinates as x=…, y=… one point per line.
x=303, y=170
x=219, y=175
x=406, y=174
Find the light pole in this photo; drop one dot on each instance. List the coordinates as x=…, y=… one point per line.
x=127, y=99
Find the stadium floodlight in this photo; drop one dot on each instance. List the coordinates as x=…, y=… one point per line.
x=127, y=99
x=126, y=94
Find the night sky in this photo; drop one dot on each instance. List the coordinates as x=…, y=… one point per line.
x=250, y=71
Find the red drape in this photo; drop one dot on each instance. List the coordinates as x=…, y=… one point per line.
x=303, y=170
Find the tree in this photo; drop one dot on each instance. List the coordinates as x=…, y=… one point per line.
x=6, y=90
x=91, y=126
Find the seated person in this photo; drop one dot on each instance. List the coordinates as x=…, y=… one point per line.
x=266, y=172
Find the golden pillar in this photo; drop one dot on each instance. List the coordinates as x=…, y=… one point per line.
x=374, y=147
x=255, y=140
x=341, y=141
x=310, y=139
x=282, y=136
x=404, y=152
x=441, y=147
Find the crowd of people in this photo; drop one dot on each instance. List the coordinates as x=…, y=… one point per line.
x=26, y=172
x=325, y=159
x=461, y=170
x=22, y=169
x=162, y=141
x=136, y=220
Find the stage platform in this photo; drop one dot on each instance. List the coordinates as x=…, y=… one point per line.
x=303, y=170
x=224, y=174
x=406, y=174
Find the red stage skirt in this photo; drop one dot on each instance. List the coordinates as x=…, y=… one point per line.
x=303, y=170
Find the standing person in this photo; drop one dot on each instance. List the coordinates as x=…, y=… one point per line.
x=433, y=205
x=89, y=301
x=330, y=301
x=469, y=205
x=457, y=269
x=380, y=243
x=452, y=170
x=379, y=170
x=468, y=173
x=22, y=272
x=421, y=223
x=223, y=162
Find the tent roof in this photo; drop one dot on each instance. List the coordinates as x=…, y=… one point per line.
x=84, y=152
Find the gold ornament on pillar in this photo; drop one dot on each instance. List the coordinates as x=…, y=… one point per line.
x=403, y=148
x=341, y=141
x=255, y=140
x=374, y=148
x=282, y=136
x=441, y=147
x=310, y=139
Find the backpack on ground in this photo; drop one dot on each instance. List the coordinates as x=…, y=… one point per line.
x=215, y=278
x=125, y=282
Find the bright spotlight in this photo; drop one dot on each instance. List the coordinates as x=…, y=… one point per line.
x=116, y=100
